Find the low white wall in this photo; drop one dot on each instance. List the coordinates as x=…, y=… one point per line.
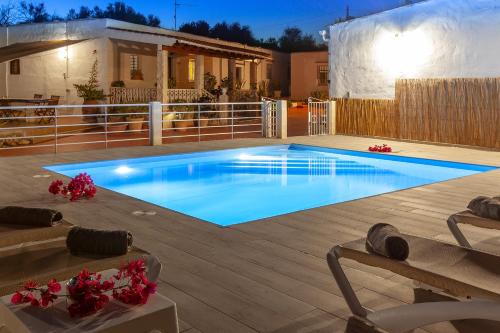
x=433, y=39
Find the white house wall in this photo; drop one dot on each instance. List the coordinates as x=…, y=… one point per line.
x=48, y=74
x=433, y=39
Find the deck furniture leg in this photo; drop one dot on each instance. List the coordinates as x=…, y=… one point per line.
x=459, y=236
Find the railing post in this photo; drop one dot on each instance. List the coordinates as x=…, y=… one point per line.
x=332, y=115
x=264, y=115
x=232, y=121
x=281, y=118
x=199, y=123
x=155, y=123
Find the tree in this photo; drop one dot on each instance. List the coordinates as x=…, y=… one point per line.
x=293, y=40
x=7, y=14
x=118, y=11
x=83, y=13
x=200, y=28
x=33, y=13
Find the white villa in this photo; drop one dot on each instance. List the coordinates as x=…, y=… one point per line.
x=48, y=58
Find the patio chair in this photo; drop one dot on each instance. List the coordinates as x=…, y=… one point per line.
x=459, y=272
x=466, y=217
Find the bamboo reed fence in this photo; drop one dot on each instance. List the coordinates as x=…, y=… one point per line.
x=368, y=117
x=456, y=111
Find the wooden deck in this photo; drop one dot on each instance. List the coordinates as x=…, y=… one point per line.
x=269, y=275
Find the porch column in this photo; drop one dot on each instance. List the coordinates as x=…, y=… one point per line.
x=199, y=72
x=232, y=70
x=161, y=74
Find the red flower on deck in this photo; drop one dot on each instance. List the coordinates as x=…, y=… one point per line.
x=81, y=186
x=380, y=149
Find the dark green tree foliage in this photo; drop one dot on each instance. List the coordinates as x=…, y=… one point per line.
x=200, y=28
x=292, y=40
x=33, y=13
x=36, y=12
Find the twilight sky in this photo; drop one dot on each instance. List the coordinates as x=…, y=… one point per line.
x=267, y=18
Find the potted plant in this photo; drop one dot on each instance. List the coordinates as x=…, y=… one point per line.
x=226, y=83
x=210, y=81
x=136, y=74
x=118, y=84
x=90, y=93
x=136, y=119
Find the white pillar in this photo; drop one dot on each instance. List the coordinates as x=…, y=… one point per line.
x=161, y=74
x=281, y=119
x=155, y=123
x=332, y=115
x=199, y=72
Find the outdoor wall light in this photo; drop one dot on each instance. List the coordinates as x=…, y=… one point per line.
x=402, y=54
x=63, y=53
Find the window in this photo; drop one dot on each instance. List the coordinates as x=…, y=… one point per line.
x=135, y=71
x=323, y=75
x=134, y=62
x=269, y=71
x=15, y=67
x=192, y=70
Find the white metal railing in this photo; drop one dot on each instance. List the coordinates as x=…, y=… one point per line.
x=321, y=117
x=119, y=95
x=204, y=120
x=53, y=127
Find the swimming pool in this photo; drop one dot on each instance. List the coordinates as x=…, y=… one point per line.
x=227, y=187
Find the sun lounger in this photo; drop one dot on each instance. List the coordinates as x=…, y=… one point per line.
x=457, y=271
x=466, y=217
x=44, y=261
x=13, y=235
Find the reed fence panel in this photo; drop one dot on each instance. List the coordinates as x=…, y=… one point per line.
x=462, y=111
x=368, y=117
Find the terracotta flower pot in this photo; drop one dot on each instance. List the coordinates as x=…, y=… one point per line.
x=135, y=123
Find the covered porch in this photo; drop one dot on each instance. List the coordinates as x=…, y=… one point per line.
x=188, y=70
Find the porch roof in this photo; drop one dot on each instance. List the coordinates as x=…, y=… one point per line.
x=19, y=50
x=189, y=43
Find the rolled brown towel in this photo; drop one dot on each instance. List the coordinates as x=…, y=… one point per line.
x=386, y=240
x=37, y=217
x=486, y=207
x=99, y=242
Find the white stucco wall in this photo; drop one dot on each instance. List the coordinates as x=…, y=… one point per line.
x=433, y=39
x=46, y=73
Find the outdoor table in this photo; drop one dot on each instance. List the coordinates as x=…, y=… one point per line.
x=159, y=314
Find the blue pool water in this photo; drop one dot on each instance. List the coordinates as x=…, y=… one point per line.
x=241, y=185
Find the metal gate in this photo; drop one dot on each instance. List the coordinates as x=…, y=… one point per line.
x=319, y=115
x=269, y=118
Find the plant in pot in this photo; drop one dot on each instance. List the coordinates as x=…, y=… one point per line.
x=210, y=81
x=136, y=74
x=90, y=93
x=136, y=117
x=116, y=120
x=118, y=84
x=263, y=89
x=205, y=111
x=226, y=84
